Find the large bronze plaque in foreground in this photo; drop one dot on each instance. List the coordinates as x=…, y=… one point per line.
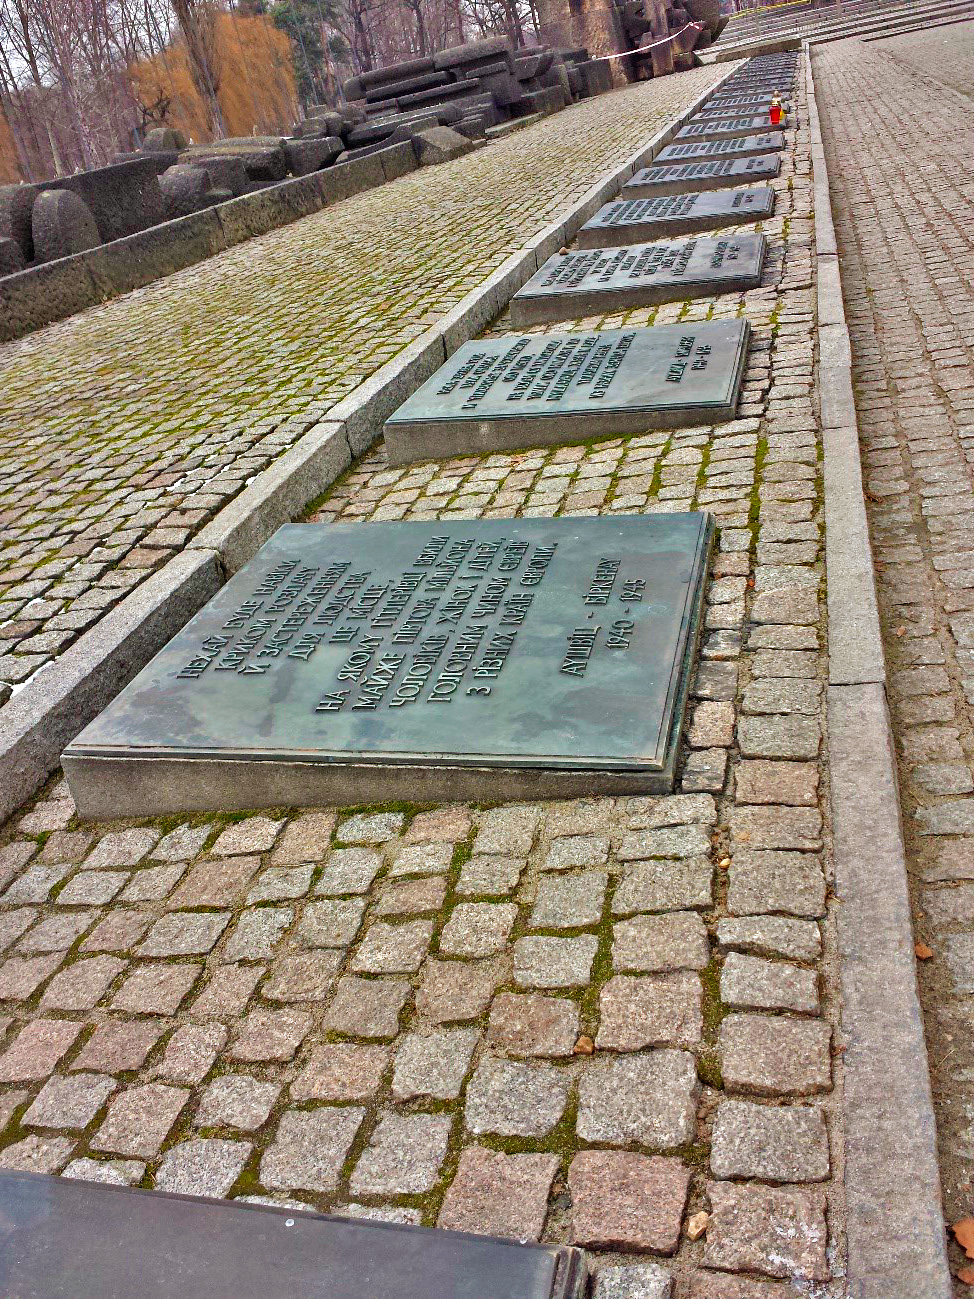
x=496, y=394
x=360, y=663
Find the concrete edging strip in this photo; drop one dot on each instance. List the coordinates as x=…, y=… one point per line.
x=895, y=1227
x=61, y=699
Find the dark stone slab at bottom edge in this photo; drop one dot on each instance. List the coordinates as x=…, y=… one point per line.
x=703, y=212
x=65, y=1239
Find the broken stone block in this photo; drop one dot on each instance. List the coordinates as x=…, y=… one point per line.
x=439, y=144
x=61, y=224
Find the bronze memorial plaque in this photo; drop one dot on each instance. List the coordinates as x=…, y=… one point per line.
x=496, y=394
x=634, y=220
x=589, y=281
x=369, y=662
x=689, y=177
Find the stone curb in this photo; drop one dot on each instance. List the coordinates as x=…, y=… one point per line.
x=62, y=699
x=894, y=1225
x=59, y=701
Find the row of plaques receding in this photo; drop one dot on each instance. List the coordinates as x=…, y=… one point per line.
x=498, y=658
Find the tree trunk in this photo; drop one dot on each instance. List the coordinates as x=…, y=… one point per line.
x=197, y=32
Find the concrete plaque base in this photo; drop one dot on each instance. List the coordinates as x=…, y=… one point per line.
x=497, y=394
x=746, y=146
x=590, y=282
x=692, y=177
x=361, y=663
x=634, y=220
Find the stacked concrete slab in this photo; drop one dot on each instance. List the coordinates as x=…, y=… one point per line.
x=471, y=88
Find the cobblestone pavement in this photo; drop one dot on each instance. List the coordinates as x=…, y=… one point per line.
x=902, y=185
x=945, y=55
x=582, y=1021
x=126, y=428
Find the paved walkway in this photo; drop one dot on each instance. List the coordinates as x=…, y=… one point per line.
x=587, y=1021
x=125, y=429
x=900, y=153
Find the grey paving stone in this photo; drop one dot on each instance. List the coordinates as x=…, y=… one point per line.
x=349, y=870
x=202, y=1167
x=181, y=844
x=375, y=827
x=37, y=1154
x=229, y=989
x=959, y=954
x=542, y=962
x=122, y=848
x=767, y=882
x=109, y=1172
x=368, y=1008
x=507, y=830
x=650, y=1010
x=775, y=1055
x=454, y=991
x=270, y=1035
x=330, y=924
x=255, y=834
x=477, y=929
x=627, y=1202
x=152, y=883
x=527, y=1024
x=633, y=1281
x=422, y=859
x=433, y=1065
x=411, y=897
x=786, y=1143
x=237, y=1101
x=673, y=941
x=510, y=1099
x=671, y=841
x=499, y=1195
x=341, y=1071
x=139, y=1119
x=69, y=1102
x=280, y=883
x=798, y=940
x=664, y=886
x=752, y=981
x=653, y=812
x=569, y=901
x=156, y=988
x=185, y=933
x=310, y=1148
x=648, y=1099
x=705, y=769
x=777, y=828
x=305, y=839
x=393, y=949
x=257, y=933
x=779, y=737
x=490, y=876
x=575, y=850
x=302, y=976
x=92, y=888
x=191, y=1051
x=777, y=1232
x=404, y=1156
